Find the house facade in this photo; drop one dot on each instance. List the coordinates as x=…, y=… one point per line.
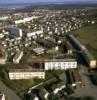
x=17, y=74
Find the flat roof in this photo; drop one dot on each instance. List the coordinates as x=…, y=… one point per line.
x=38, y=50
x=17, y=54
x=26, y=70
x=60, y=60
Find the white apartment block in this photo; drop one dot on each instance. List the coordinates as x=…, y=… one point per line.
x=60, y=64
x=26, y=74
x=33, y=34
x=3, y=60
x=2, y=97
x=24, y=20
x=18, y=57
x=3, y=18
x=20, y=32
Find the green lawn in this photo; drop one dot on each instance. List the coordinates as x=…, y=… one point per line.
x=17, y=85
x=88, y=36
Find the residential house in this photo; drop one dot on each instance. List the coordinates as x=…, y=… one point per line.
x=43, y=93
x=58, y=87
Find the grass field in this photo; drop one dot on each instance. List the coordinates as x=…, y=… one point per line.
x=88, y=36
x=16, y=85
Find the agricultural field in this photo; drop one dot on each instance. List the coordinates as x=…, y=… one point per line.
x=88, y=37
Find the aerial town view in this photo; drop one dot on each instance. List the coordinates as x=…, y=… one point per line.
x=48, y=49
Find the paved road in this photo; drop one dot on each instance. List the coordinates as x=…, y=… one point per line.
x=8, y=92
x=30, y=89
x=89, y=89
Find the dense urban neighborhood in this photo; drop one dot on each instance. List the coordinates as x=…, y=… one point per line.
x=48, y=53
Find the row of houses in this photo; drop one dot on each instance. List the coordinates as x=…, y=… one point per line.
x=35, y=33
x=4, y=18
x=16, y=59
x=27, y=19
x=47, y=43
x=54, y=86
